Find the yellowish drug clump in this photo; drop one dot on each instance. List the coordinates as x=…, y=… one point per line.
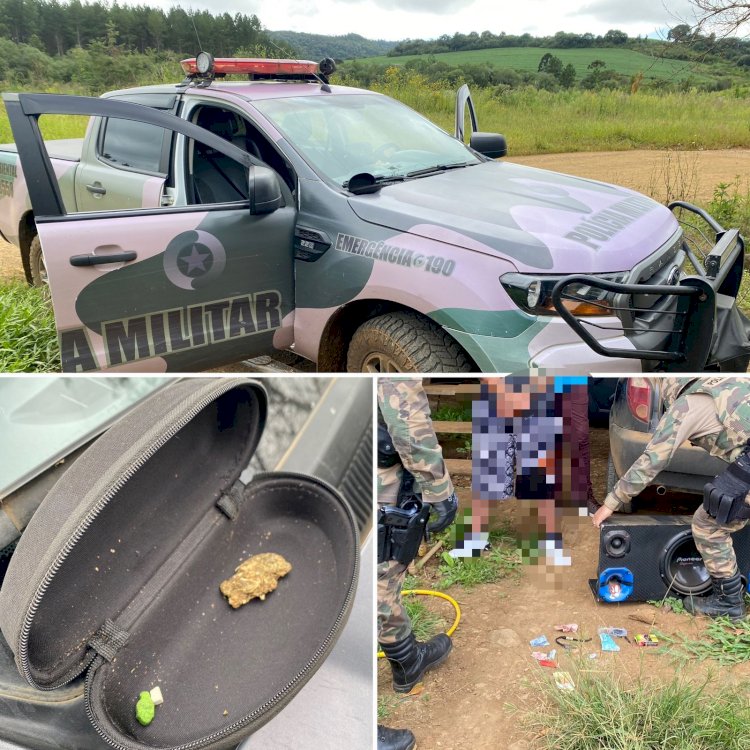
x=254, y=578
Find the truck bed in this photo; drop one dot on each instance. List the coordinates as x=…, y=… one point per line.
x=67, y=149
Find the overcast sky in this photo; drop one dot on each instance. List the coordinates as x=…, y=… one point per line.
x=399, y=19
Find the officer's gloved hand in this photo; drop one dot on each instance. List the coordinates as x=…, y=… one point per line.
x=443, y=513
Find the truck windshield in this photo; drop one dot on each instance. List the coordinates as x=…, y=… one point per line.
x=340, y=136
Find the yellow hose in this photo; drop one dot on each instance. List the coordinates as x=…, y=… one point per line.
x=424, y=592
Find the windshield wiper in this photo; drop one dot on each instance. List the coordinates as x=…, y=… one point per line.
x=437, y=168
x=364, y=182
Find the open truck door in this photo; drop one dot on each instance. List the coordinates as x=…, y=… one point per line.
x=492, y=145
x=181, y=287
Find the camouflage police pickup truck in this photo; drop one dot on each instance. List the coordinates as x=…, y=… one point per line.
x=210, y=221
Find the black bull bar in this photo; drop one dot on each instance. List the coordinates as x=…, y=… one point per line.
x=679, y=326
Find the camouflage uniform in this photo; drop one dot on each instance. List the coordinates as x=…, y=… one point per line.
x=404, y=409
x=731, y=398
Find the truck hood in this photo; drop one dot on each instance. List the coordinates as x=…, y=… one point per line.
x=541, y=221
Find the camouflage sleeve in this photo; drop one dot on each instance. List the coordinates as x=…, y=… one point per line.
x=673, y=429
x=406, y=412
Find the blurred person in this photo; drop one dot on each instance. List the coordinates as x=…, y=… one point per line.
x=522, y=447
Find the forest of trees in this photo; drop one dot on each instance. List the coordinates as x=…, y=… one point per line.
x=97, y=46
x=57, y=27
x=682, y=43
x=346, y=46
x=488, y=40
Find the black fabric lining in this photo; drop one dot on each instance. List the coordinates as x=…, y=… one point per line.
x=215, y=664
x=140, y=529
x=108, y=640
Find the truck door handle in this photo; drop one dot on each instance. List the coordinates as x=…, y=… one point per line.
x=97, y=260
x=96, y=189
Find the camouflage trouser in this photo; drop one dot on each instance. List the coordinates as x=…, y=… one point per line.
x=714, y=542
x=406, y=412
x=393, y=621
x=389, y=483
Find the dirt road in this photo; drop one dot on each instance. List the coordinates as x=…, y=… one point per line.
x=477, y=699
x=664, y=175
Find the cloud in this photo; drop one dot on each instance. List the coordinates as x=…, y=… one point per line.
x=299, y=8
x=637, y=11
x=433, y=7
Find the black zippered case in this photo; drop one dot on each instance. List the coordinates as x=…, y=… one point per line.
x=117, y=575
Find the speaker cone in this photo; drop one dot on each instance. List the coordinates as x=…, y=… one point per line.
x=617, y=543
x=682, y=567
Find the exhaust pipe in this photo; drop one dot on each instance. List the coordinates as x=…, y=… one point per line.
x=661, y=490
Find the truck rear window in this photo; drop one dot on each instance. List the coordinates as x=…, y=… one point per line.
x=132, y=144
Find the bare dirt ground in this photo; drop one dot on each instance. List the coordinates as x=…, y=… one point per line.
x=477, y=699
x=664, y=174
x=10, y=263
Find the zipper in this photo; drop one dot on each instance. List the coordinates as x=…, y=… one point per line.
x=289, y=687
x=148, y=452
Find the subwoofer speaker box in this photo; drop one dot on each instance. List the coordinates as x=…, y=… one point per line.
x=650, y=557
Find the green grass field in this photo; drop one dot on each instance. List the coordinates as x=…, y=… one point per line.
x=538, y=122
x=625, y=61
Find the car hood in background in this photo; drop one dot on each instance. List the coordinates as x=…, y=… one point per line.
x=44, y=419
x=541, y=221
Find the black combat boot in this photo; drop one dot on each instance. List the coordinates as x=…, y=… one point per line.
x=395, y=739
x=727, y=599
x=410, y=659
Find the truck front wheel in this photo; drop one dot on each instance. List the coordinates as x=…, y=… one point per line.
x=404, y=342
x=36, y=263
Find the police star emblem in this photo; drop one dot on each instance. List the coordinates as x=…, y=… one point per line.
x=194, y=259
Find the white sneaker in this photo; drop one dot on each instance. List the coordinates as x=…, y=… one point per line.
x=472, y=546
x=554, y=554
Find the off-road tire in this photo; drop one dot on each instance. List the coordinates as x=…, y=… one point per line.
x=412, y=344
x=36, y=263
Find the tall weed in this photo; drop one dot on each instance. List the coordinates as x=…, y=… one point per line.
x=28, y=340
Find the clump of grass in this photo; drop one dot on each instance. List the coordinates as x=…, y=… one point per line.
x=723, y=641
x=605, y=713
x=504, y=559
x=386, y=705
x=28, y=341
x=413, y=582
x=452, y=414
x=465, y=449
x=730, y=205
x=424, y=622
x=669, y=604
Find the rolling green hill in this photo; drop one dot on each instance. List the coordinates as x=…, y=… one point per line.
x=623, y=61
x=317, y=46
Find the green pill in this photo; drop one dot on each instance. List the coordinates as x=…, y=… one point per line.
x=145, y=709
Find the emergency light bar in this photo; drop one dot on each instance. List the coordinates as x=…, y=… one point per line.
x=250, y=66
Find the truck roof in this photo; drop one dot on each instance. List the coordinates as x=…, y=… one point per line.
x=250, y=90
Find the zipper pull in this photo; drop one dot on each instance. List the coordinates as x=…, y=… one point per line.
x=230, y=501
x=108, y=640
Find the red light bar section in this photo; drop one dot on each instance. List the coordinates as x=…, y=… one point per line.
x=248, y=65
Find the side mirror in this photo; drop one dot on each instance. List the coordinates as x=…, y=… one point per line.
x=489, y=144
x=264, y=190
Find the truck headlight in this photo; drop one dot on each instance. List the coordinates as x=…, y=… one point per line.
x=533, y=294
